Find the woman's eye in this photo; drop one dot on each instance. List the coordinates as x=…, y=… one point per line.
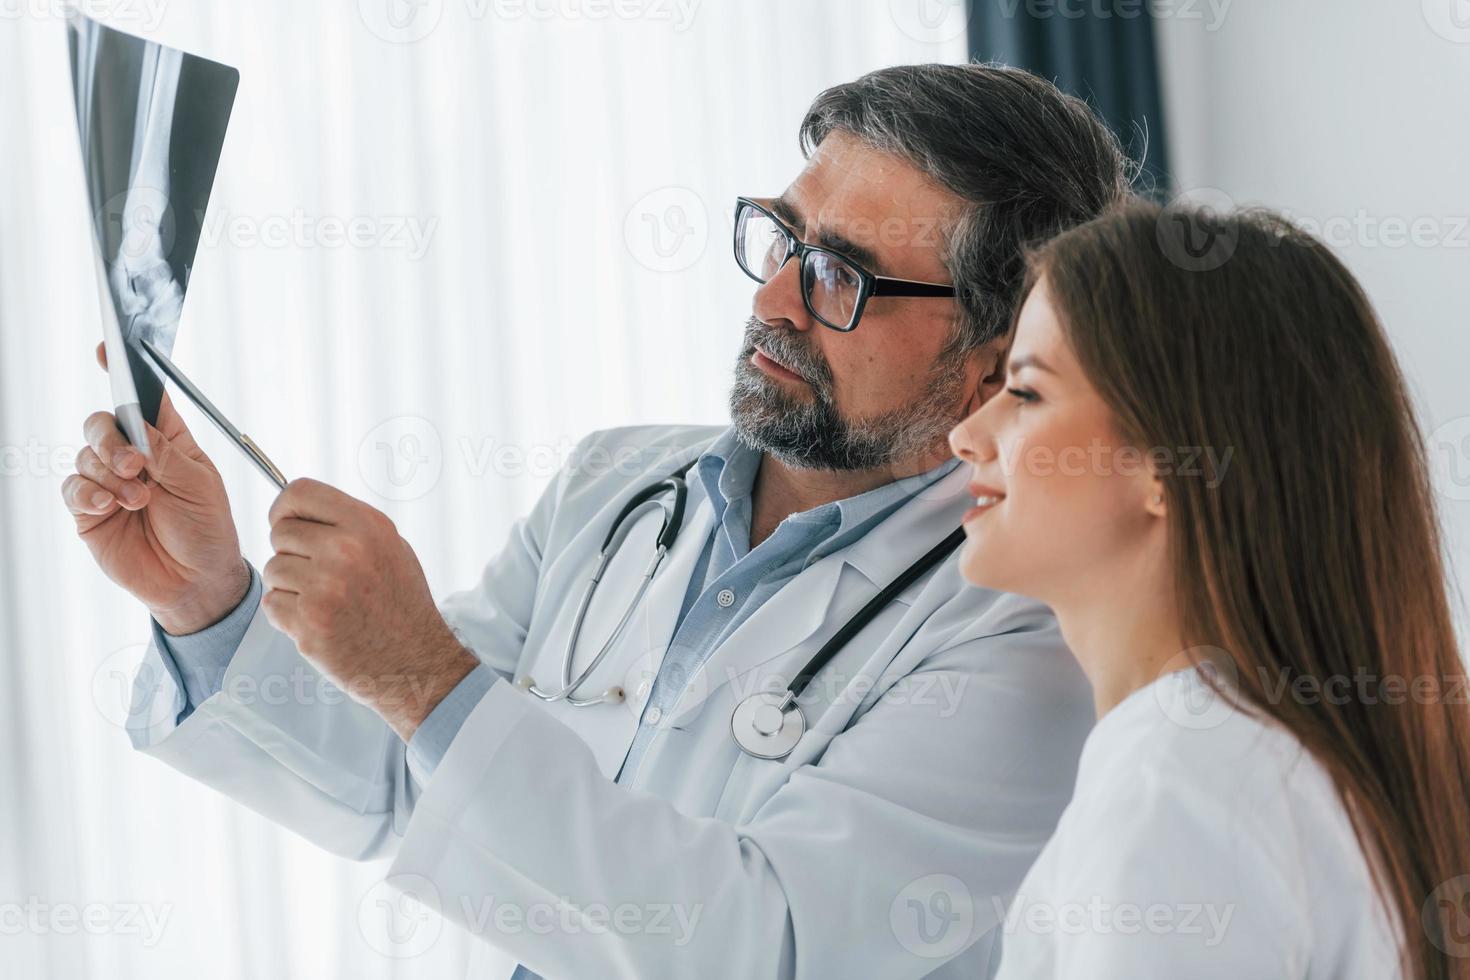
x=1022, y=394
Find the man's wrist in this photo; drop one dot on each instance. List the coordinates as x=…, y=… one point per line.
x=414, y=697
x=197, y=613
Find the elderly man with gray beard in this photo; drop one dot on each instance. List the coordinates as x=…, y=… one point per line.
x=572, y=778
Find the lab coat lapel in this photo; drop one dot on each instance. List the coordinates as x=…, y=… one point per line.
x=813, y=606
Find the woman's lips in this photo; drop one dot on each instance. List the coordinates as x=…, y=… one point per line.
x=985, y=499
x=773, y=367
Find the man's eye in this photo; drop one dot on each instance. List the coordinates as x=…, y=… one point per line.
x=1022, y=394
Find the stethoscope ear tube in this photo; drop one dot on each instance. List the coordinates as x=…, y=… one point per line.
x=668, y=533
x=673, y=515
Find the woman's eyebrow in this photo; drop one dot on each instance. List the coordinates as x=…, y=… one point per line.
x=1029, y=361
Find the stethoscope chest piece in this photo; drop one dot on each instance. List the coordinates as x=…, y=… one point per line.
x=768, y=725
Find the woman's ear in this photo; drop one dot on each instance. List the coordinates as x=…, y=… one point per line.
x=1155, y=502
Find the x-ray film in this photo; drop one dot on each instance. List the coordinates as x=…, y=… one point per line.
x=152, y=122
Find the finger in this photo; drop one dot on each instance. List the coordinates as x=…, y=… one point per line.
x=102, y=354
x=298, y=536
x=132, y=493
x=313, y=500
x=171, y=465
x=171, y=424
x=286, y=573
x=83, y=497
x=111, y=446
x=280, y=610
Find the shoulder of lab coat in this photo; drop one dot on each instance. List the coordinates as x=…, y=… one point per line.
x=924, y=802
x=286, y=742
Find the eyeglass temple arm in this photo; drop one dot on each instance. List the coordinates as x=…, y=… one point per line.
x=884, y=286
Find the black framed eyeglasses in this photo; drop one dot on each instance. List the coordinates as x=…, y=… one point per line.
x=834, y=288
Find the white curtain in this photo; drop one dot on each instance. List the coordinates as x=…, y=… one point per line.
x=431, y=263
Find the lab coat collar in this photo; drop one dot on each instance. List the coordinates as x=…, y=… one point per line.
x=932, y=512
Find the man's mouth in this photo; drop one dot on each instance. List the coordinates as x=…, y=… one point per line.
x=773, y=367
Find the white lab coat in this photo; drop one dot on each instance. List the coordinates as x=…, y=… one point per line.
x=941, y=749
x=1203, y=841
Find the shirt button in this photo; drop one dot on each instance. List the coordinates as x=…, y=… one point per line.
x=643, y=689
x=653, y=715
x=725, y=598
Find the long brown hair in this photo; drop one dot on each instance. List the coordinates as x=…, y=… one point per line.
x=1316, y=553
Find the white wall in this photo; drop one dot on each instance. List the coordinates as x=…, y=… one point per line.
x=1350, y=114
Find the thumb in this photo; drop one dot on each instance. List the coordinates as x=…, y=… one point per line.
x=170, y=462
x=171, y=424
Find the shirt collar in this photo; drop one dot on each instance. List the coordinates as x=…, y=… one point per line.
x=727, y=471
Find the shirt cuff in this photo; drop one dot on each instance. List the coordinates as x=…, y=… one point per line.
x=433, y=736
x=201, y=658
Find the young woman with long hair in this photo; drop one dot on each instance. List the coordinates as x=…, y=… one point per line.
x=1206, y=461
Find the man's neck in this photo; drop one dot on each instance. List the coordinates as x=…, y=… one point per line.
x=781, y=490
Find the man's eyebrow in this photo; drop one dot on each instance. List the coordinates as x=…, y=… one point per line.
x=1029, y=361
x=860, y=254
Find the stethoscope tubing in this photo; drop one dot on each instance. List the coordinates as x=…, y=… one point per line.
x=784, y=702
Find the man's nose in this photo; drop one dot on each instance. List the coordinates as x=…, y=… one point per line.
x=778, y=299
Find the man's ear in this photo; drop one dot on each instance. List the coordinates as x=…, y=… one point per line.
x=992, y=359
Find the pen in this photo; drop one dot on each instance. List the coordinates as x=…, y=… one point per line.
x=240, y=439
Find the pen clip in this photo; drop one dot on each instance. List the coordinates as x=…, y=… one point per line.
x=270, y=468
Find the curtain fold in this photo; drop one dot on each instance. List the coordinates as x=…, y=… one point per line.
x=1102, y=52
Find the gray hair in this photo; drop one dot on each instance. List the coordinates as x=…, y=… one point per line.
x=1030, y=160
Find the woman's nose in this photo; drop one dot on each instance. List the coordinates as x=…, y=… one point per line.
x=970, y=441
x=961, y=443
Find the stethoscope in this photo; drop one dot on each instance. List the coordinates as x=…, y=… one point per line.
x=766, y=725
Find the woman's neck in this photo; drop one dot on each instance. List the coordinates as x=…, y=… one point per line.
x=1125, y=637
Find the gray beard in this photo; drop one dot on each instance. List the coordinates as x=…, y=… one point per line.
x=812, y=434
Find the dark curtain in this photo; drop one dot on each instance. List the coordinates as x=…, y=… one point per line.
x=1102, y=51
